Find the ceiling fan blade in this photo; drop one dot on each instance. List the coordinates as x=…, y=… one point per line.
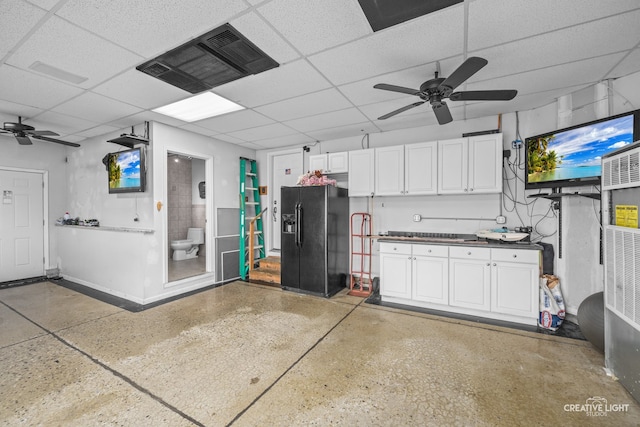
x=484, y=95
x=442, y=113
x=394, y=88
x=23, y=140
x=400, y=110
x=468, y=68
x=57, y=141
x=43, y=132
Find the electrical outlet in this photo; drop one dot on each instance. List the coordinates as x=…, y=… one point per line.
x=516, y=143
x=501, y=219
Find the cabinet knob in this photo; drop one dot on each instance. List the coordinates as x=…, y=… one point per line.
x=494, y=264
x=515, y=255
x=469, y=253
x=409, y=257
x=489, y=264
x=414, y=258
x=429, y=250
x=471, y=189
x=466, y=189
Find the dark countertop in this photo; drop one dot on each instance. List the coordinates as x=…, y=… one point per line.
x=484, y=243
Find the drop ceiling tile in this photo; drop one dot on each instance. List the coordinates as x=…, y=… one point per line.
x=96, y=108
x=235, y=121
x=198, y=129
x=251, y=146
x=423, y=40
x=231, y=140
x=284, y=141
x=45, y=4
x=17, y=18
x=149, y=27
x=141, y=90
x=97, y=131
x=426, y=118
x=145, y=116
x=287, y=81
x=629, y=65
x=262, y=35
x=527, y=18
x=306, y=105
x=328, y=120
x=363, y=92
x=358, y=129
x=26, y=88
x=571, y=44
x=62, y=124
x=10, y=110
x=312, y=26
x=557, y=77
x=64, y=46
x=262, y=132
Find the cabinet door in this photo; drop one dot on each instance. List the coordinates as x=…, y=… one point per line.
x=452, y=166
x=485, y=163
x=514, y=288
x=430, y=279
x=318, y=162
x=389, y=171
x=469, y=283
x=338, y=162
x=421, y=168
x=361, y=166
x=395, y=275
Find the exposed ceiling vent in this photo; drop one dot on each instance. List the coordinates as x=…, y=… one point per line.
x=215, y=58
x=383, y=14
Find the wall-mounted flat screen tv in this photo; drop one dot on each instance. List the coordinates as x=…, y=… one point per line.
x=572, y=156
x=126, y=171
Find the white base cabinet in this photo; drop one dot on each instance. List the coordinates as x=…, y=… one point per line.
x=494, y=283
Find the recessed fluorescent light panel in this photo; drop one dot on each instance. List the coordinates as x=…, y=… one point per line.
x=199, y=107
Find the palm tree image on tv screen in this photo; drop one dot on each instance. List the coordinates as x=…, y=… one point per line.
x=577, y=152
x=124, y=170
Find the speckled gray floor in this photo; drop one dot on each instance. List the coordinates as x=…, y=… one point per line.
x=249, y=355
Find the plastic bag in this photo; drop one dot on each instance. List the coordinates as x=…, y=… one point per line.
x=551, y=303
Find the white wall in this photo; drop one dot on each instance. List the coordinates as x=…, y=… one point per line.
x=128, y=264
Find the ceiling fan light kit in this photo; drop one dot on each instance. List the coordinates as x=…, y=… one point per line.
x=434, y=91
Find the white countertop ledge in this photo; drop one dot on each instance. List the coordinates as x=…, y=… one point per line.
x=109, y=228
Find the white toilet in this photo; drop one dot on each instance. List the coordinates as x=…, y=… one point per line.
x=188, y=248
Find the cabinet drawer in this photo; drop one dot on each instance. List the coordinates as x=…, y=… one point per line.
x=395, y=248
x=469, y=252
x=431, y=250
x=516, y=255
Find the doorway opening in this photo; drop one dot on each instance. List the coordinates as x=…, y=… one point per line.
x=186, y=216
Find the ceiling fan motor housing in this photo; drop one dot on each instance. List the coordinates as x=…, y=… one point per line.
x=17, y=127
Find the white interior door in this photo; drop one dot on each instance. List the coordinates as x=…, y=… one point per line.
x=285, y=170
x=21, y=225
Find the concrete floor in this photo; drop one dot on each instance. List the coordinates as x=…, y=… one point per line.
x=249, y=355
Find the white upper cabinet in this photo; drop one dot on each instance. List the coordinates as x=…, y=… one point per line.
x=361, y=173
x=389, y=176
x=318, y=162
x=330, y=162
x=470, y=165
x=338, y=162
x=421, y=168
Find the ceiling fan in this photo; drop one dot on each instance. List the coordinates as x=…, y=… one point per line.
x=434, y=91
x=24, y=132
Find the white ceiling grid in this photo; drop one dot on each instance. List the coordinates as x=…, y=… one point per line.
x=329, y=61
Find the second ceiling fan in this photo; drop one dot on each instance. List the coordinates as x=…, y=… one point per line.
x=434, y=91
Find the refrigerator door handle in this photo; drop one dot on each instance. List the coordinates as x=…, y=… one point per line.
x=298, y=224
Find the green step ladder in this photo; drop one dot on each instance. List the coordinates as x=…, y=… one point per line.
x=250, y=208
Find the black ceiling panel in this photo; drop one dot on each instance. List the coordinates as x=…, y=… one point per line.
x=383, y=14
x=215, y=58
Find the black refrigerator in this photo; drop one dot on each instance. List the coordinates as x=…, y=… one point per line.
x=314, y=251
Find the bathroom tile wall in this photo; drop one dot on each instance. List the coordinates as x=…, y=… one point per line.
x=179, y=198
